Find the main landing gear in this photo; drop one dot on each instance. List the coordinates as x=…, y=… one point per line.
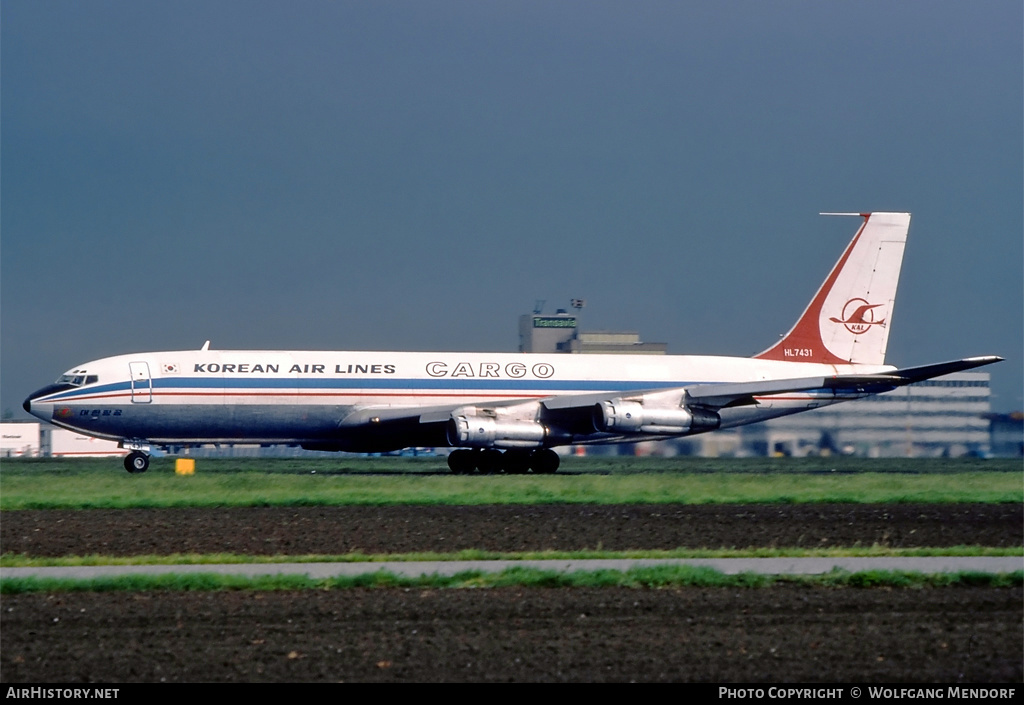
x=463, y=461
x=136, y=462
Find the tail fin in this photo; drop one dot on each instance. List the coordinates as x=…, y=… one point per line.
x=849, y=319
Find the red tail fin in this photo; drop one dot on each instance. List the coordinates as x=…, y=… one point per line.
x=849, y=319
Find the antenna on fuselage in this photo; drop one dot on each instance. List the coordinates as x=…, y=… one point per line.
x=206, y=345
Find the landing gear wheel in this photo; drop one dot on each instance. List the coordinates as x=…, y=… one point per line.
x=136, y=462
x=489, y=462
x=516, y=462
x=461, y=461
x=544, y=461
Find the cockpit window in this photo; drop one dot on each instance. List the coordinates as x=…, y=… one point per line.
x=77, y=380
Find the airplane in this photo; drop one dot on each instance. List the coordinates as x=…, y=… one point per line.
x=501, y=412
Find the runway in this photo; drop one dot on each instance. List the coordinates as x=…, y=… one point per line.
x=413, y=569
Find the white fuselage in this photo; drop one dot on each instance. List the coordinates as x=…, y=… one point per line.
x=310, y=397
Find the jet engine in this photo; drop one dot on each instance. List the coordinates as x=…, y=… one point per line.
x=621, y=416
x=487, y=432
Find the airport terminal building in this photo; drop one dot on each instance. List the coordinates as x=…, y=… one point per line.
x=945, y=416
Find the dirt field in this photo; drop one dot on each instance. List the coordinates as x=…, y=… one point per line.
x=784, y=633
x=336, y=530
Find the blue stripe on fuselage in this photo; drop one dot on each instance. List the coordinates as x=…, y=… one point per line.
x=306, y=383
x=457, y=384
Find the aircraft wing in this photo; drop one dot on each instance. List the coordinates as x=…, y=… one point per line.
x=720, y=396
x=709, y=396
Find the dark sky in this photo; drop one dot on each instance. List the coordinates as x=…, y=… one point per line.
x=414, y=175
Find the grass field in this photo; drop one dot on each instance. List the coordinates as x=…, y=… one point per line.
x=102, y=483
x=343, y=480
x=344, y=464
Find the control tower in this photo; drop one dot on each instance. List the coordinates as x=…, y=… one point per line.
x=546, y=334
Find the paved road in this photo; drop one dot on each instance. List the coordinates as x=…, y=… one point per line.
x=729, y=566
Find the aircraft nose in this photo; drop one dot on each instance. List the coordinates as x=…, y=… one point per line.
x=40, y=410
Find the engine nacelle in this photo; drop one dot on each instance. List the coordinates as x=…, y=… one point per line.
x=486, y=432
x=620, y=416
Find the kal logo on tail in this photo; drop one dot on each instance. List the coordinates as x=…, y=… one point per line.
x=858, y=316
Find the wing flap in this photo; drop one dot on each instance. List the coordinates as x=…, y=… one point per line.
x=720, y=396
x=384, y=414
x=423, y=414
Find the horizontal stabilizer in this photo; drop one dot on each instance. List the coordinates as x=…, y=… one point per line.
x=917, y=374
x=720, y=396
